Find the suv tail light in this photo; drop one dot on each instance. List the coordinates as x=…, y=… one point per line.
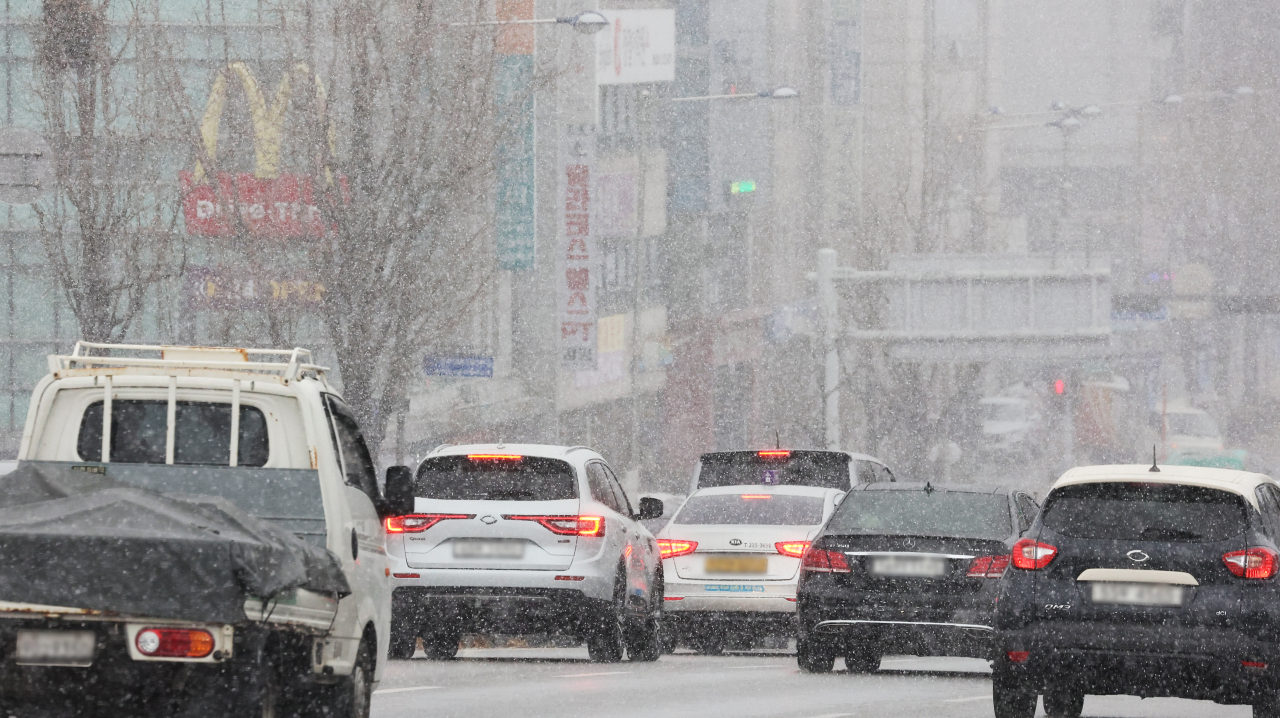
x=417, y=523
x=988, y=566
x=1256, y=562
x=824, y=561
x=670, y=548
x=174, y=642
x=794, y=549
x=566, y=525
x=1031, y=555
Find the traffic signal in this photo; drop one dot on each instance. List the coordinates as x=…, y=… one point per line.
x=1060, y=386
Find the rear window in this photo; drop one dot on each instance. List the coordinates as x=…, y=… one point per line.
x=923, y=513
x=751, y=509
x=202, y=433
x=528, y=478
x=825, y=469
x=1128, y=511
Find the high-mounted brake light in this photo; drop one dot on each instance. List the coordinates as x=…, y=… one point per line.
x=794, y=549
x=988, y=566
x=755, y=496
x=1253, y=664
x=494, y=457
x=670, y=548
x=566, y=525
x=1031, y=555
x=174, y=642
x=1256, y=563
x=417, y=523
x=823, y=561
x=774, y=454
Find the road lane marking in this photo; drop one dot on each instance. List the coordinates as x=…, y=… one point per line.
x=776, y=665
x=588, y=675
x=831, y=715
x=967, y=700
x=402, y=690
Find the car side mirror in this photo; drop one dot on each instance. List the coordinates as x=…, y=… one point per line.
x=398, y=492
x=650, y=508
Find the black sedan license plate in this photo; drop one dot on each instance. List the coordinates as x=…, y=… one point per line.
x=56, y=648
x=1137, y=594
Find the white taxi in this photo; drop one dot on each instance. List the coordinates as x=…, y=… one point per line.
x=731, y=560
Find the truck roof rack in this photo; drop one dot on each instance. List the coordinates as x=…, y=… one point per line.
x=286, y=364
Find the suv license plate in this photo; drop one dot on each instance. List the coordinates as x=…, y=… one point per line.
x=1137, y=594
x=56, y=648
x=488, y=549
x=908, y=566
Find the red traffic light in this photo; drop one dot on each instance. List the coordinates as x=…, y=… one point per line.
x=1059, y=387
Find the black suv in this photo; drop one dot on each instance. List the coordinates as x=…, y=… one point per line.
x=1143, y=581
x=906, y=568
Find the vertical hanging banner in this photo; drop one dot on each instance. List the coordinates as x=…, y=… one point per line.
x=514, y=230
x=576, y=250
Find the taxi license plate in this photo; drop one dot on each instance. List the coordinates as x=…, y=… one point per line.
x=488, y=549
x=56, y=648
x=908, y=566
x=1137, y=594
x=737, y=564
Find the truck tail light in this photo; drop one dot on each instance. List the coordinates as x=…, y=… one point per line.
x=1257, y=562
x=823, y=561
x=566, y=525
x=174, y=642
x=794, y=549
x=670, y=548
x=1031, y=555
x=988, y=566
x=417, y=523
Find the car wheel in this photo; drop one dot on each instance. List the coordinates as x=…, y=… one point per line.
x=814, y=657
x=403, y=645
x=645, y=641
x=440, y=646
x=351, y=697
x=1012, y=700
x=605, y=635
x=862, y=661
x=1063, y=703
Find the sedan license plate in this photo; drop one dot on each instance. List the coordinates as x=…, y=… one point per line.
x=737, y=564
x=919, y=566
x=1137, y=594
x=56, y=648
x=488, y=549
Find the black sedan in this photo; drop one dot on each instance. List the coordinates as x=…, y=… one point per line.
x=907, y=568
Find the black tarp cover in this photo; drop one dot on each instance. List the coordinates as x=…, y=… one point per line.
x=82, y=540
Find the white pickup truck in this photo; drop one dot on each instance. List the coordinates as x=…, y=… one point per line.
x=191, y=531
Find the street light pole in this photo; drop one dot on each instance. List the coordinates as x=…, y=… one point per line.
x=587, y=23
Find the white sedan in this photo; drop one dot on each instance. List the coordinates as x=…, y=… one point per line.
x=730, y=561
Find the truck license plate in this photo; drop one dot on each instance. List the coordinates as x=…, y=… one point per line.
x=1137, y=594
x=488, y=549
x=56, y=648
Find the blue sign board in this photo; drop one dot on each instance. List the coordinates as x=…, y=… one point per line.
x=458, y=366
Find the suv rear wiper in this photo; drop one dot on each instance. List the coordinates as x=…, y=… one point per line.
x=514, y=494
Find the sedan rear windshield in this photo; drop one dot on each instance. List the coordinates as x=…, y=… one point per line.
x=825, y=469
x=527, y=478
x=923, y=513
x=751, y=509
x=1129, y=511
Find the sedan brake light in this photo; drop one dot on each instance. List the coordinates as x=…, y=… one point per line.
x=794, y=549
x=417, y=523
x=988, y=566
x=1257, y=562
x=823, y=561
x=670, y=548
x=566, y=525
x=1031, y=555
